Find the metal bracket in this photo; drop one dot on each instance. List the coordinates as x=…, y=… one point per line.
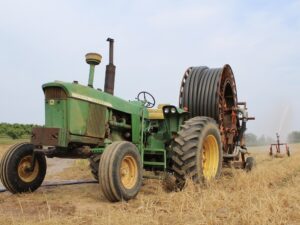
x=32, y=163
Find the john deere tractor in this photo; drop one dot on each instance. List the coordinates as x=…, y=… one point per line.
x=125, y=139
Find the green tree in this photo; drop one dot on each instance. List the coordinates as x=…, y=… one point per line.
x=251, y=139
x=15, y=130
x=261, y=140
x=14, y=133
x=294, y=137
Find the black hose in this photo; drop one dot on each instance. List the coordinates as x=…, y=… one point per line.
x=70, y=182
x=212, y=93
x=204, y=90
x=62, y=183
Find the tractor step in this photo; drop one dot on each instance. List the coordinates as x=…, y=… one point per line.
x=158, y=154
x=154, y=163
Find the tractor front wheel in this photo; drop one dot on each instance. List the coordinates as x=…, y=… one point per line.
x=15, y=169
x=120, y=171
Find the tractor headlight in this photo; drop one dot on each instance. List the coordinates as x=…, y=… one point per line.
x=166, y=110
x=173, y=110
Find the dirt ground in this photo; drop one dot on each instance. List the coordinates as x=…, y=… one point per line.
x=270, y=194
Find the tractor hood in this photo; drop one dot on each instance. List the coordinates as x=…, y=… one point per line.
x=88, y=94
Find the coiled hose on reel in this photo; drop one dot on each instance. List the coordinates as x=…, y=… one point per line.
x=212, y=92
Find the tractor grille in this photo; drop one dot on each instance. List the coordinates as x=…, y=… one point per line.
x=55, y=93
x=96, y=121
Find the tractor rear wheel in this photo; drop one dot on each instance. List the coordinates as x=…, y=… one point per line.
x=120, y=171
x=197, y=153
x=94, y=165
x=15, y=169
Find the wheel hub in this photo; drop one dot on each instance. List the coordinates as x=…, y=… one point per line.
x=128, y=172
x=210, y=157
x=24, y=169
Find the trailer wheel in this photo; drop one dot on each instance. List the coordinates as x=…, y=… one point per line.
x=249, y=164
x=120, y=171
x=197, y=153
x=94, y=165
x=15, y=171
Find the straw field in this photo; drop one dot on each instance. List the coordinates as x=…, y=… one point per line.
x=270, y=194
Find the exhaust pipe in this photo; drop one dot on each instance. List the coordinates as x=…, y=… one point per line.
x=110, y=70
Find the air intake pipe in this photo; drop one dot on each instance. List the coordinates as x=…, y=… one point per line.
x=93, y=59
x=110, y=70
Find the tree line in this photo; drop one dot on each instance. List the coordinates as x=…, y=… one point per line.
x=253, y=140
x=16, y=130
x=294, y=137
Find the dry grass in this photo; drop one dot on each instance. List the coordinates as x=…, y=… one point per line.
x=268, y=195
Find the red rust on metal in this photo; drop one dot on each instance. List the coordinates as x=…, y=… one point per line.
x=277, y=147
x=55, y=93
x=44, y=136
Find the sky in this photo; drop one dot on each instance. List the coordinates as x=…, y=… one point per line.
x=155, y=42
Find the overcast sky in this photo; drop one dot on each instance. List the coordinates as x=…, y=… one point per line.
x=155, y=41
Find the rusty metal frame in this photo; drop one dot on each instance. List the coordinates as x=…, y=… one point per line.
x=277, y=147
x=45, y=136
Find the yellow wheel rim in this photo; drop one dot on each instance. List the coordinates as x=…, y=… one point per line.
x=23, y=169
x=210, y=157
x=129, y=172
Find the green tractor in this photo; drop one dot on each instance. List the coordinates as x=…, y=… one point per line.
x=125, y=139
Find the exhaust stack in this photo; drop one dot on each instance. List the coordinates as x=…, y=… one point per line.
x=110, y=70
x=93, y=59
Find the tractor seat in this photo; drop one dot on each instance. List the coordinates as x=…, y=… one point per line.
x=156, y=114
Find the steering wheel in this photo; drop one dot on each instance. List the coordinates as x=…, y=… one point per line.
x=146, y=97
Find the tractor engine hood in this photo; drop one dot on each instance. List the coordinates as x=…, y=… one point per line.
x=74, y=90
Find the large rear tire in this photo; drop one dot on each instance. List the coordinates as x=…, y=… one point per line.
x=15, y=173
x=120, y=171
x=197, y=153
